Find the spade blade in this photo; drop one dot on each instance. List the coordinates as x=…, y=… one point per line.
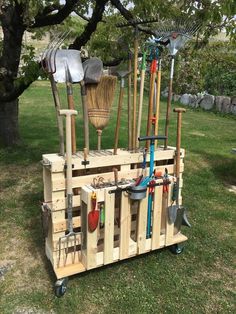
x=172, y=213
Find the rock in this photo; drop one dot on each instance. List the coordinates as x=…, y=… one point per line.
x=233, y=100
x=233, y=109
x=226, y=105
x=207, y=102
x=185, y=99
x=193, y=101
x=176, y=98
x=164, y=93
x=218, y=102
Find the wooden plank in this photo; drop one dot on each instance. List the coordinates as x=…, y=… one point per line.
x=122, y=158
x=142, y=225
x=62, y=225
x=47, y=184
x=109, y=227
x=125, y=222
x=169, y=226
x=80, y=181
x=157, y=211
x=69, y=270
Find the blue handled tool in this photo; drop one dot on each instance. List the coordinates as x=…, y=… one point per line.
x=148, y=179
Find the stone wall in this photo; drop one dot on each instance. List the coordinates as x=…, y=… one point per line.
x=222, y=104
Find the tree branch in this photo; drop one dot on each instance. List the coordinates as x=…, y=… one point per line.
x=129, y=16
x=56, y=18
x=91, y=26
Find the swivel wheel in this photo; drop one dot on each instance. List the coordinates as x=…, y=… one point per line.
x=60, y=287
x=177, y=248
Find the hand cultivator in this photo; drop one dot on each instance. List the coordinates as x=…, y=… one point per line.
x=96, y=219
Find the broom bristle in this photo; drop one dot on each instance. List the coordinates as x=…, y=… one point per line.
x=100, y=97
x=91, y=95
x=106, y=91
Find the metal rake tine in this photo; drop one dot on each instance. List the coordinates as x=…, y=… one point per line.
x=52, y=52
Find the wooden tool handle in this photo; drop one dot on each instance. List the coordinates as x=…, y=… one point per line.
x=115, y=170
x=178, y=138
x=85, y=114
x=59, y=118
x=118, y=119
x=68, y=113
x=135, y=91
x=85, y=153
x=179, y=110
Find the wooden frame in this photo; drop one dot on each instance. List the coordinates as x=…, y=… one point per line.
x=114, y=241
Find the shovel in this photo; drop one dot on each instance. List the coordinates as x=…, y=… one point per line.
x=73, y=61
x=93, y=216
x=176, y=211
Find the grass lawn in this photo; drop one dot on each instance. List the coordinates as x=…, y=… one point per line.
x=201, y=280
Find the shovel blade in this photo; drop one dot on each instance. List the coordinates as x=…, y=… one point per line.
x=93, y=218
x=181, y=219
x=172, y=213
x=93, y=69
x=72, y=59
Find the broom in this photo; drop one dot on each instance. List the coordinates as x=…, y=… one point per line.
x=100, y=98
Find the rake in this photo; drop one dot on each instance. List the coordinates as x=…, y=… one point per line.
x=175, y=34
x=48, y=62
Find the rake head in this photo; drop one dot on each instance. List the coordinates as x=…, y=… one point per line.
x=176, y=33
x=48, y=59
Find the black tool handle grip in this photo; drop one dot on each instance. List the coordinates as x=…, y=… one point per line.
x=152, y=138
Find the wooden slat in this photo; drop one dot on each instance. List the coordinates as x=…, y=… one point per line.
x=80, y=181
x=62, y=225
x=125, y=222
x=109, y=227
x=122, y=158
x=142, y=225
x=157, y=211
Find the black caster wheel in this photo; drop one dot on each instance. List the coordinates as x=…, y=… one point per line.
x=60, y=287
x=177, y=248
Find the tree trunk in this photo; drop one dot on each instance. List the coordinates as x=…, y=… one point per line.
x=9, y=128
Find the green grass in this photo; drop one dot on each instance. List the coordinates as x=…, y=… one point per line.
x=201, y=280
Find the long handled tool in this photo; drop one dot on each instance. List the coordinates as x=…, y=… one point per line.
x=177, y=209
x=71, y=105
x=176, y=33
x=129, y=101
x=69, y=71
x=143, y=71
x=71, y=236
x=158, y=96
x=135, y=86
x=149, y=179
x=49, y=65
x=153, y=69
x=122, y=75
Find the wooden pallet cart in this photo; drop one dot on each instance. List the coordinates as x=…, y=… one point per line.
x=122, y=233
